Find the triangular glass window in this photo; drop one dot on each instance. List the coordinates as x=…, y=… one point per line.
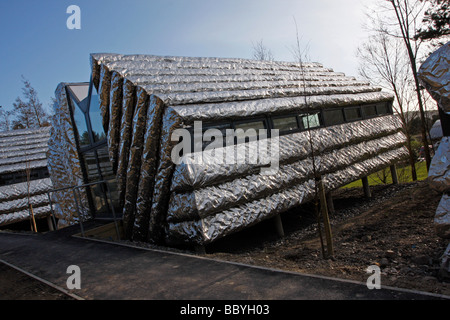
x=96, y=117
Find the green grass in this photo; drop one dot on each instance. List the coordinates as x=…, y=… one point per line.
x=403, y=173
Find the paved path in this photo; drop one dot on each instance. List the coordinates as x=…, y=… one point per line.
x=111, y=271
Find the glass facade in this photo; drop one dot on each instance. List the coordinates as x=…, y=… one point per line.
x=93, y=149
x=80, y=123
x=96, y=117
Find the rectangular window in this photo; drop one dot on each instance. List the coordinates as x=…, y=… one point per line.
x=285, y=124
x=369, y=111
x=382, y=108
x=310, y=121
x=333, y=117
x=249, y=130
x=352, y=114
x=210, y=136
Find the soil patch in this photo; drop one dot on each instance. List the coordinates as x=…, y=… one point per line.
x=394, y=230
x=15, y=285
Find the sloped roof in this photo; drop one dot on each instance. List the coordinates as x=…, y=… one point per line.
x=205, y=88
x=20, y=149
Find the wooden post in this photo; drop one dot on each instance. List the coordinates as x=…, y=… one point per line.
x=330, y=203
x=394, y=174
x=366, y=187
x=33, y=220
x=326, y=220
x=279, y=225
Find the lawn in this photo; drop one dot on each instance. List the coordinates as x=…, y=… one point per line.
x=384, y=176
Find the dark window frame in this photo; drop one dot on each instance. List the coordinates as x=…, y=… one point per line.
x=385, y=105
x=310, y=113
x=365, y=115
x=352, y=108
x=291, y=115
x=269, y=124
x=341, y=109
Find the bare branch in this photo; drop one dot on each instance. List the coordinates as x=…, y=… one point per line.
x=261, y=52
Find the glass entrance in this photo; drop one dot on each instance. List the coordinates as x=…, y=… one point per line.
x=93, y=149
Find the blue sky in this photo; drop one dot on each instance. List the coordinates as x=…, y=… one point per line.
x=36, y=43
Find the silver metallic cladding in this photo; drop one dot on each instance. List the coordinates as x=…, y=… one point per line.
x=251, y=108
x=163, y=178
x=213, y=89
x=128, y=106
x=145, y=62
x=64, y=164
x=115, y=116
x=148, y=169
x=13, y=217
x=439, y=172
x=20, y=190
x=21, y=151
x=215, y=226
x=434, y=74
x=189, y=175
x=135, y=160
x=103, y=92
x=22, y=204
x=210, y=199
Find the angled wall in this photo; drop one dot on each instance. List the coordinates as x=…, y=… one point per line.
x=144, y=99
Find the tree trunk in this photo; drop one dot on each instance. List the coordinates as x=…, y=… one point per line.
x=403, y=24
x=412, y=161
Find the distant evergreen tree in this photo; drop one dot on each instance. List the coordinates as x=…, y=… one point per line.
x=5, y=123
x=261, y=52
x=29, y=112
x=436, y=20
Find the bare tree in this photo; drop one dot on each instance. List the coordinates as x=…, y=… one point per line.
x=299, y=52
x=29, y=113
x=384, y=62
x=301, y=55
x=5, y=123
x=261, y=52
x=408, y=15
